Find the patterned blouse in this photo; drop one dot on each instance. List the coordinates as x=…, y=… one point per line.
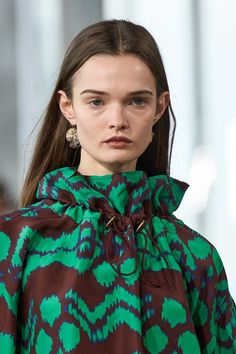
x=99, y=264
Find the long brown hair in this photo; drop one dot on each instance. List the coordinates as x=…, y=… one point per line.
x=113, y=37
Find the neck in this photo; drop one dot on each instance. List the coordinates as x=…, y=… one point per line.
x=95, y=168
x=102, y=170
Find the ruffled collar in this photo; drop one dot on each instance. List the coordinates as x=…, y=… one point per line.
x=127, y=193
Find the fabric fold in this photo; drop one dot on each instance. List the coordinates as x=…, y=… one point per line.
x=99, y=259
x=127, y=192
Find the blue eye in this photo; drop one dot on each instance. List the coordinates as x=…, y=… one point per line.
x=96, y=102
x=138, y=101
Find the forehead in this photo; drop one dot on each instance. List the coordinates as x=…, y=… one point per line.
x=105, y=69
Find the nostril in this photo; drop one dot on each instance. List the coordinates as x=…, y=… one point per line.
x=119, y=124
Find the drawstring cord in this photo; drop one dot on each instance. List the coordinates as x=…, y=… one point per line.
x=112, y=221
x=145, y=232
x=167, y=281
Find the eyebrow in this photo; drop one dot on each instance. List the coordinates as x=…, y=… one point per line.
x=97, y=92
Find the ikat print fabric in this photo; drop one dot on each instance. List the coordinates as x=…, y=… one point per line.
x=100, y=264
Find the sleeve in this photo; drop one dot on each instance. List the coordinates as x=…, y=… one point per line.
x=12, y=253
x=212, y=307
x=222, y=311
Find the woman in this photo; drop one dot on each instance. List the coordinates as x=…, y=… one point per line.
x=94, y=261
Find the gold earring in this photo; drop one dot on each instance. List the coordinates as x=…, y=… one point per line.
x=72, y=137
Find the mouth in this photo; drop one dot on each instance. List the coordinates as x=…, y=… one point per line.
x=118, y=142
x=122, y=139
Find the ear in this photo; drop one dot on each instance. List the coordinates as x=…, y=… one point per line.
x=66, y=107
x=162, y=103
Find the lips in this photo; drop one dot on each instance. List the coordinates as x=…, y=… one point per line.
x=118, y=139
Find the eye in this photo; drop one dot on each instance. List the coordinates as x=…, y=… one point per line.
x=138, y=101
x=96, y=102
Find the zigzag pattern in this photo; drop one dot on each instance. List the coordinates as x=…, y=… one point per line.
x=77, y=277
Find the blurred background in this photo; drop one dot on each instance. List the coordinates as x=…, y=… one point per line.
x=198, y=46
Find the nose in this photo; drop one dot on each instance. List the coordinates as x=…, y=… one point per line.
x=118, y=118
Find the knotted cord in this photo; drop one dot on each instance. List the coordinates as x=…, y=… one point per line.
x=113, y=223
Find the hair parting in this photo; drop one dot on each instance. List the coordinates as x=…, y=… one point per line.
x=112, y=37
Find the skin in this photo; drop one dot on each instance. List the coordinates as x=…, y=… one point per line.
x=112, y=96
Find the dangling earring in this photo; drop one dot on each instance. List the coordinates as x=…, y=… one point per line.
x=72, y=137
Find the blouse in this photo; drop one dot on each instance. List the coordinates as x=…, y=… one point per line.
x=100, y=264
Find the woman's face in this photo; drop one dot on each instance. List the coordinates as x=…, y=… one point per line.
x=114, y=107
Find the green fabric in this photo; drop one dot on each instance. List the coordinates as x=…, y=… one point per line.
x=101, y=265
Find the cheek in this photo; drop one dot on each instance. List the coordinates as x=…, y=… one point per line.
x=84, y=123
x=144, y=128
x=89, y=130
x=144, y=136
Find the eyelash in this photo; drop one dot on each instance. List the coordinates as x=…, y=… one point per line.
x=140, y=99
x=92, y=102
x=137, y=101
